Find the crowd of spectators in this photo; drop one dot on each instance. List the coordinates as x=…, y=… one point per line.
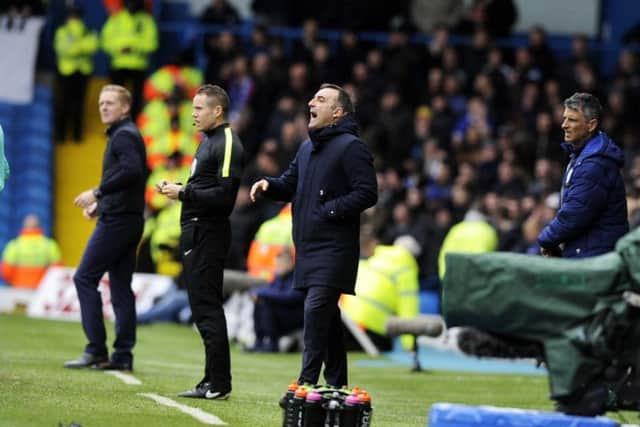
x=453, y=126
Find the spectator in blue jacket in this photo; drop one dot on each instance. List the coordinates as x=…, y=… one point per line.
x=331, y=181
x=279, y=308
x=593, y=206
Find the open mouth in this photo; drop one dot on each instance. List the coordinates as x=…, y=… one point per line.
x=313, y=114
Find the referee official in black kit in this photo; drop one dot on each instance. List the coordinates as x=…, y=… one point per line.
x=207, y=200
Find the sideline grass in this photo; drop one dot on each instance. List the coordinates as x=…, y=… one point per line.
x=36, y=391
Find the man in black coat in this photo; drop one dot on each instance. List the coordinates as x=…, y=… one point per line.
x=118, y=202
x=330, y=182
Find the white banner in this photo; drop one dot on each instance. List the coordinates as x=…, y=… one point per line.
x=18, y=47
x=56, y=296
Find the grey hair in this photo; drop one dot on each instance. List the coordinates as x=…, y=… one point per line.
x=586, y=103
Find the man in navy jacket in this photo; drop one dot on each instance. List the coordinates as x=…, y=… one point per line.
x=593, y=209
x=330, y=182
x=118, y=202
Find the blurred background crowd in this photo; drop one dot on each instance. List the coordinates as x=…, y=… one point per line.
x=462, y=112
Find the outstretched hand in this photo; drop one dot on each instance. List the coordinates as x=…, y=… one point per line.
x=257, y=188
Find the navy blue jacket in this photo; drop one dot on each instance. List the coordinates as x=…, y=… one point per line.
x=330, y=182
x=124, y=171
x=593, y=205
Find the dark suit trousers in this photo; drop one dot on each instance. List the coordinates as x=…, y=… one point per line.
x=111, y=248
x=204, y=248
x=323, y=340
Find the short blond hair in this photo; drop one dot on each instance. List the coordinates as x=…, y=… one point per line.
x=124, y=96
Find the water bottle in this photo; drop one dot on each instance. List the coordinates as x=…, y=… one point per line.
x=294, y=414
x=285, y=401
x=366, y=410
x=333, y=406
x=291, y=389
x=350, y=411
x=313, y=411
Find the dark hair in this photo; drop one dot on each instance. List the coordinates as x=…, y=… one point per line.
x=586, y=103
x=215, y=96
x=344, y=100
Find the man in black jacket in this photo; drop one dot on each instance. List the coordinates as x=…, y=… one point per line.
x=118, y=202
x=207, y=201
x=330, y=181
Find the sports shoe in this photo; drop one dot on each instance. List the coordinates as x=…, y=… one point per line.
x=217, y=395
x=86, y=360
x=198, y=392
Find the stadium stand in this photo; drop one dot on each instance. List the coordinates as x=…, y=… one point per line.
x=28, y=136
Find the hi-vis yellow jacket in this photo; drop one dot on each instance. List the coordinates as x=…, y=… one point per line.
x=75, y=46
x=468, y=237
x=130, y=39
x=387, y=284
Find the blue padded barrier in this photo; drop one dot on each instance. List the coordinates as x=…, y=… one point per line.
x=455, y=415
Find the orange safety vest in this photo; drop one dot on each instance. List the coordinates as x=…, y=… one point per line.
x=272, y=237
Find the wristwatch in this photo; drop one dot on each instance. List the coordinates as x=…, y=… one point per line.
x=97, y=193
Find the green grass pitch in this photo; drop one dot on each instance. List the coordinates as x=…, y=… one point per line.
x=35, y=390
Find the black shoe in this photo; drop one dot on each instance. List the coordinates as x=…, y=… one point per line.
x=86, y=360
x=198, y=392
x=110, y=365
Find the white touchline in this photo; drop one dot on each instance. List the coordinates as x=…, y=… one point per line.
x=126, y=378
x=198, y=414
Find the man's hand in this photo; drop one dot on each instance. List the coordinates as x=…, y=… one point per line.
x=85, y=199
x=257, y=188
x=169, y=189
x=551, y=252
x=90, y=211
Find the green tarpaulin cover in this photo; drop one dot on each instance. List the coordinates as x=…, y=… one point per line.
x=573, y=307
